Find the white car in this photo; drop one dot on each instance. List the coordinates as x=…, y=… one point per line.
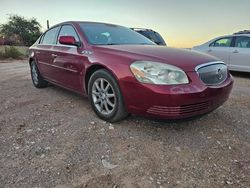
x=234, y=50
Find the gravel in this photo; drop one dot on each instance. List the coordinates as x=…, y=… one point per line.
x=51, y=138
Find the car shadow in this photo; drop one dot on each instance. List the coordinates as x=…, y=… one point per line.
x=172, y=121
x=240, y=74
x=177, y=124
x=66, y=92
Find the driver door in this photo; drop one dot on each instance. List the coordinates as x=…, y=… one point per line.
x=67, y=61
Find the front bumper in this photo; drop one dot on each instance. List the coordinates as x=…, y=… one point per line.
x=174, y=102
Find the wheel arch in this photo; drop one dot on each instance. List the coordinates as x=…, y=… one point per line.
x=30, y=60
x=93, y=68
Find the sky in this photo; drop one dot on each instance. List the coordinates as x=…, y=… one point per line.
x=182, y=23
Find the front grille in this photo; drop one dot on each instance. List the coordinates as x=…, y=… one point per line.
x=179, y=110
x=213, y=73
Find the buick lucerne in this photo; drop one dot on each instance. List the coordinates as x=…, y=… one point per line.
x=123, y=72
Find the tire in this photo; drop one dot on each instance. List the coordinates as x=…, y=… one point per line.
x=106, y=97
x=36, y=77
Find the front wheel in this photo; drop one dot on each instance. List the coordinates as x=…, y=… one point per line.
x=106, y=97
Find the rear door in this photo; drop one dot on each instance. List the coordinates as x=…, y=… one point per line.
x=240, y=54
x=43, y=53
x=221, y=48
x=68, y=61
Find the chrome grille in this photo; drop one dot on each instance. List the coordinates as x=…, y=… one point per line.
x=212, y=73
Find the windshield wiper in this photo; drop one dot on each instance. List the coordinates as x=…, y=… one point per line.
x=145, y=44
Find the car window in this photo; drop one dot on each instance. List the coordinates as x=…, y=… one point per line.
x=155, y=37
x=68, y=30
x=242, y=42
x=223, y=42
x=50, y=36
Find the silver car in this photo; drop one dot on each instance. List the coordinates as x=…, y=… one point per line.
x=234, y=50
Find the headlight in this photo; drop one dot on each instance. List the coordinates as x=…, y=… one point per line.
x=158, y=73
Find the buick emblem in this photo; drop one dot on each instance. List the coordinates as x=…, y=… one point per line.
x=219, y=74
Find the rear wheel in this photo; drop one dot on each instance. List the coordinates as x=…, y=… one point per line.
x=36, y=77
x=105, y=96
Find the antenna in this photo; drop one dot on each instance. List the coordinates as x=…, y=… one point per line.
x=47, y=24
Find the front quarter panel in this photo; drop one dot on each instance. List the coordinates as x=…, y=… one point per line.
x=118, y=65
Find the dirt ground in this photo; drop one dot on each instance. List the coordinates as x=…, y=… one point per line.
x=51, y=138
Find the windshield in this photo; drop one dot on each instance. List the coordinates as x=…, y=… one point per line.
x=108, y=34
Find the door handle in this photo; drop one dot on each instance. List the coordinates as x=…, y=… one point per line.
x=54, y=55
x=235, y=51
x=210, y=50
x=38, y=52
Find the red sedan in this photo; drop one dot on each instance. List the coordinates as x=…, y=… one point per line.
x=123, y=72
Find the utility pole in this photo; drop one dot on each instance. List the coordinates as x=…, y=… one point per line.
x=47, y=24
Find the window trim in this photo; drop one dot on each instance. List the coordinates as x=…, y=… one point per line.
x=41, y=38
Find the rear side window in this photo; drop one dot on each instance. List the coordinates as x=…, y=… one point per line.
x=68, y=30
x=223, y=42
x=242, y=42
x=50, y=36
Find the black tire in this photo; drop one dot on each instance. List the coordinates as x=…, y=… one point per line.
x=36, y=77
x=118, y=111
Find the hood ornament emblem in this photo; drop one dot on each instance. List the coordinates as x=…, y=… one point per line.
x=219, y=74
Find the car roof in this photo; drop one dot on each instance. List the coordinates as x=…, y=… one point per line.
x=243, y=32
x=79, y=22
x=237, y=35
x=234, y=35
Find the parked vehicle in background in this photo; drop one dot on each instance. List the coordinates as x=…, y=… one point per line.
x=234, y=50
x=123, y=72
x=151, y=35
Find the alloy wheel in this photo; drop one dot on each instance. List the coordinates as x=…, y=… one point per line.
x=103, y=96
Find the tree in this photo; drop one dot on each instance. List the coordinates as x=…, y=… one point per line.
x=20, y=31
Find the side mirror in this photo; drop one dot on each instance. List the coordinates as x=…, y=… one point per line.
x=68, y=40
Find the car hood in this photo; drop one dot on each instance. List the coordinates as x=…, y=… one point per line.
x=184, y=59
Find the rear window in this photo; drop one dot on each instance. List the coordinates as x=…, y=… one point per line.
x=242, y=42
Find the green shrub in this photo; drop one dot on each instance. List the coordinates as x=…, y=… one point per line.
x=11, y=52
